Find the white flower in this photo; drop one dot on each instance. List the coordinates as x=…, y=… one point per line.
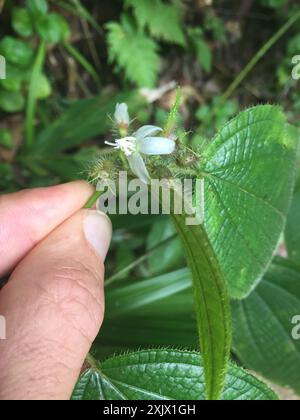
x=122, y=115
x=143, y=141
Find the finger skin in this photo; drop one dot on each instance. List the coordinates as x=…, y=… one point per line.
x=29, y=216
x=54, y=306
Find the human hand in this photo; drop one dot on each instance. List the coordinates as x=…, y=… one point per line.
x=54, y=301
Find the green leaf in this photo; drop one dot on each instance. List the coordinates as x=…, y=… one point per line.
x=202, y=49
x=83, y=120
x=162, y=375
x=157, y=311
x=275, y=4
x=43, y=88
x=34, y=87
x=292, y=233
x=204, y=54
x=11, y=101
x=163, y=20
x=211, y=303
x=53, y=28
x=249, y=171
x=216, y=25
x=67, y=167
x=6, y=139
x=152, y=328
x=124, y=299
x=14, y=78
x=16, y=51
x=172, y=251
x=21, y=21
x=37, y=7
x=124, y=257
x=133, y=52
x=263, y=326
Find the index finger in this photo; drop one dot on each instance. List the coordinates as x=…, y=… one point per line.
x=29, y=216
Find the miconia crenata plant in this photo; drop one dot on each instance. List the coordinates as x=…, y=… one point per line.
x=249, y=173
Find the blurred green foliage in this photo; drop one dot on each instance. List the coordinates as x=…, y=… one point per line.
x=94, y=52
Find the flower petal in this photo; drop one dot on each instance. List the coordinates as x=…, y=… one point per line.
x=121, y=114
x=156, y=146
x=146, y=131
x=138, y=167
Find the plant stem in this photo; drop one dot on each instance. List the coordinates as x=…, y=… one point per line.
x=92, y=201
x=32, y=96
x=258, y=56
x=91, y=361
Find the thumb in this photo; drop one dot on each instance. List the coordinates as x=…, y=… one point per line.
x=54, y=305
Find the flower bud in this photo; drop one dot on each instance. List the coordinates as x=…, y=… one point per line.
x=122, y=115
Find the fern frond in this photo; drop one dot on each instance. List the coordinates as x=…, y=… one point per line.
x=164, y=21
x=133, y=52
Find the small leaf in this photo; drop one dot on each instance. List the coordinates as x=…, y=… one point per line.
x=43, y=87
x=16, y=51
x=11, y=101
x=263, y=326
x=249, y=171
x=14, y=78
x=37, y=7
x=6, y=139
x=204, y=54
x=162, y=375
x=202, y=49
x=21, y=21
x=53, y=28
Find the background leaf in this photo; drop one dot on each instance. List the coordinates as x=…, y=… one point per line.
x=172, y=252
x=53, y=28
x=21, y=21
x=82, y=121
x=16, y=51
x=263, y=326
x=11, y=101
x=37, y=7
x=292, y=233
x=123, y=300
